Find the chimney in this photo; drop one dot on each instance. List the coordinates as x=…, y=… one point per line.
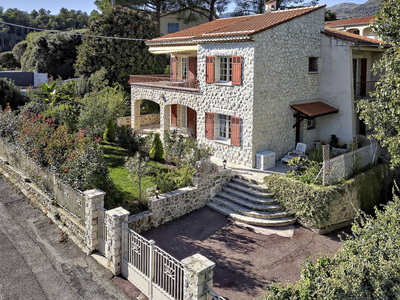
x=270, y=6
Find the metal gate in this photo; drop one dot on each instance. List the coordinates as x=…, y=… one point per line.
x=153, y=271
x=102, y=230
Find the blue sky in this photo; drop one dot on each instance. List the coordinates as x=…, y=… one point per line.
x=88, y=5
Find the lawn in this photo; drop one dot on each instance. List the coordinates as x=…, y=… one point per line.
x=125, y=192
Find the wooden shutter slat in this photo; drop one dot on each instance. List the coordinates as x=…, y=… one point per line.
x=236, y=70
x=209, y=69
x=174, y=68
x=235, y=131
x=209, y=126
x=192, y=68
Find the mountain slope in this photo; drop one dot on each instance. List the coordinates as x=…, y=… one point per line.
x=352, y=10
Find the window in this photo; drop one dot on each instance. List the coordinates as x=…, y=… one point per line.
x=224, y=127
x=173, y=27
x=311, y=124
x=185, y=68
x=225, y=69
x=313, y=64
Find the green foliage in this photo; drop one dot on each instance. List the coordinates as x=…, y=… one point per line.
x=120, y=58
x=19, y=50
x=138, y=166
x=366, y=267
x=383, y=114
x=49, y=90
x=127, y=138
x=334, y=141
x=109, y=134
x=149, y=107
x=167, y=70
x=330, y=16
x=157, y=150
x=76, y=158
x=8, y=61
x=51, y=53
x=11, y=95
x=305, y=170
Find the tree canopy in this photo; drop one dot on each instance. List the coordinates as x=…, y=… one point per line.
x=51, y=53
x=120, y=58
x=383, y=115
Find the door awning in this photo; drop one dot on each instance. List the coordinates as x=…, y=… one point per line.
x=314, y=109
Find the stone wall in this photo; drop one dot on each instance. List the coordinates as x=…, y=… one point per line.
x=124, y=121
x=175, y=204
x=281, y=77
x=150, y=119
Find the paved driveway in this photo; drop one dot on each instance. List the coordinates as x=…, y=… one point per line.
x=35, y=265
x=246, y=262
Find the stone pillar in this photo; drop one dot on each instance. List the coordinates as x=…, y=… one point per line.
x=93, y=199
x=135, y=115
x=198, y=274
x=165, y=119
x=114, y=220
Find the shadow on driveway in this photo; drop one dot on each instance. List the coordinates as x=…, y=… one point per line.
x=246, y=262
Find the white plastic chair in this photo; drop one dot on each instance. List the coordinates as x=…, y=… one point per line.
x=299, y=151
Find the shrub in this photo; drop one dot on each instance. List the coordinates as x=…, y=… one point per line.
x=11, y=94
x=366, y=267
x=109, y=134
x=157, y=150
x=305, y=170
x=8, y=61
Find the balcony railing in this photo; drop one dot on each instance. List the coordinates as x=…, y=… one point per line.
x=164, y=81
x=363, y=88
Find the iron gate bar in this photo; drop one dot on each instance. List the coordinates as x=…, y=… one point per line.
x=213, y=294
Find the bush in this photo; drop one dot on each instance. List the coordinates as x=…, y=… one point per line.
x=109, y=134
x=8, y=61
x=157, y=150
x=366, y=267
x=11, y=95
x=305, y=170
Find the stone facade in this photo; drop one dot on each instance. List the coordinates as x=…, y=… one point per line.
x=175, y=204
x=149, y=119
x=274, y=74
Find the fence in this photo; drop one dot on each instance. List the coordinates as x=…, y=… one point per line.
x=213, y=295
x=67, y=197
x=156, y=273
x=345, y=165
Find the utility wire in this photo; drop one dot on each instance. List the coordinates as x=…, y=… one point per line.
x=72, y=33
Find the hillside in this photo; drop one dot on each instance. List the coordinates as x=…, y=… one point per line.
x=352, y=10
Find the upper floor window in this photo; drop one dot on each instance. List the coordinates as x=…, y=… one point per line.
x=313, y=64
x=173, y=27
x=185, y=67
x=225, y=69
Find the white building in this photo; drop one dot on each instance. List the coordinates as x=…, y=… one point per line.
x=262, y=82
x=358, y=26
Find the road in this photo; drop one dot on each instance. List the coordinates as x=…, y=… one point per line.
x=37, y=263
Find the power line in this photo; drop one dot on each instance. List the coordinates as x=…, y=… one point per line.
x=72, y=33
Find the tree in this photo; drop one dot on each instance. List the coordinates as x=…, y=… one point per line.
x=157, y=150
x=10, y=95
x=19, y=50
x=330, y=16
x=109, y=134
x=8, y=61
x=120, y=58
x=51, y=53
x=244, y=7
x=208, y=8
x=138, y=166
x=383, y=115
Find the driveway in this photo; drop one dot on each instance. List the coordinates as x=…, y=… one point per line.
x=38, y=262
x=246, y=262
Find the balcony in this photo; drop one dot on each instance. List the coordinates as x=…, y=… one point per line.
x=363, y=88
x=164, y=82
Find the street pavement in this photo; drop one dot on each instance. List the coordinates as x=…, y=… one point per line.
x=38, y=262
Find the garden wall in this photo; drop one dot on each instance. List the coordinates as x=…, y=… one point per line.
x=175, y=204
x=326, y=208
x=149, y=119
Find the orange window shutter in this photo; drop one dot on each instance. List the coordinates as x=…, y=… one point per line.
x=192, y=68
x=209, y=126
x=210, y=69
x=236, y=70
x=235, y=131
x=174, y=68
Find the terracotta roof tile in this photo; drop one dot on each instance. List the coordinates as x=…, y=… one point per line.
x=234, y=27
x=314, y=109
x=349, y=36
x=364, y=20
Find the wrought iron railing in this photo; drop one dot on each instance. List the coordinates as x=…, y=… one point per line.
x=163, y=81
x=363, y=88
x=213, y=294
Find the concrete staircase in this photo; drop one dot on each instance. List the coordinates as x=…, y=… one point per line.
x=250, y=203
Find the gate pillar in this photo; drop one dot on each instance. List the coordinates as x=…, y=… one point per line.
x=93, y=199
x=115, y=218
x=198, y=274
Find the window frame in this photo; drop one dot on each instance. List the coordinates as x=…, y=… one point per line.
x=228, y=63
x=313, y=64
x=185, y=68
x=227, y=120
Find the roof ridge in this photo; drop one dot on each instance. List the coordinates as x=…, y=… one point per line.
x=217, y=29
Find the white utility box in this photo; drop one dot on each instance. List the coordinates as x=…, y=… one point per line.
x=265, y=160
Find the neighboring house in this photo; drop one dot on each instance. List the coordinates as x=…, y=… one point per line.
x=263, y=82
x=25, y=79
x=358, y=26
x=181, y=19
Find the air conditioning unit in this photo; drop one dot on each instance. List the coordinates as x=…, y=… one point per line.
x=265, y=160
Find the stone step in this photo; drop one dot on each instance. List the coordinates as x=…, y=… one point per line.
x=247, y=196
x=254, y=186
x=268, y=205
x=250, y=220
x=249, y=212
x=249, y=190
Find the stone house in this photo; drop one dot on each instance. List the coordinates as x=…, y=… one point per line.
x=248, y=84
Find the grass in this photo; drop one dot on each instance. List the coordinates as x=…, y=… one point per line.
x=125, y=191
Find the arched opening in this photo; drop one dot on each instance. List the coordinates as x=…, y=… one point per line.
x=353, y=30
x=366, y=32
